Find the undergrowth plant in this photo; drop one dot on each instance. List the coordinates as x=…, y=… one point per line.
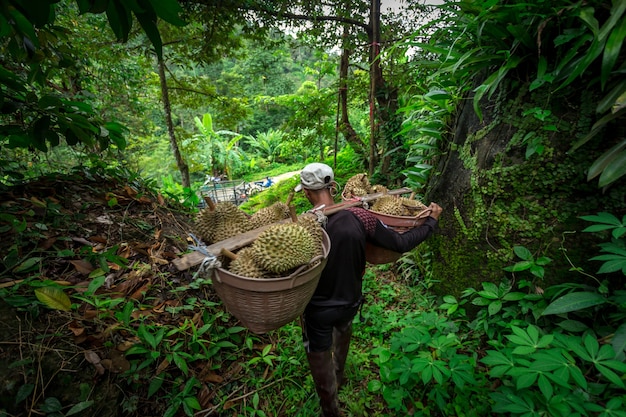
x=525, y=351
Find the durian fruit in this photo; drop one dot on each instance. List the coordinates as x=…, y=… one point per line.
x=357, y=186
x=283, y=246
x=268, y=215
x=389, y=204
x=243, y=264
x=205, y=225
x=378, y=188
x=310, y=222
x=220, y=221
x=412, y=206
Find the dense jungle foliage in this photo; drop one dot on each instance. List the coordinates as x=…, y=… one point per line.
x=116, y=116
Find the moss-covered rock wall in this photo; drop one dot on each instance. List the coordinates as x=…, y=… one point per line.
x=495, y=195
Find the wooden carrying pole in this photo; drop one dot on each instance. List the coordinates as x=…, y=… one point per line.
x=244, y=239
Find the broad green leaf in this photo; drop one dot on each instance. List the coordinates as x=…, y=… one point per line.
x=573, y=326
x=120, y=19
x=610, y=375
x=600, y=164
x=573, y=302
x=611, y=101
x=537, y=270
x=519, y=266
x=374, y=385
x=494, y=307
x=155, y=385
x=168, y=10
x=148, y=337
x=526, y=380
x=611, y=266
x=488, y=294
x=614, y=170
x=54, y=298
x=611, y=50
x=545, y=386
x=619, y=339
x=524, y=350
x=513, y=296
x=77, y=408
x=438, y=95
x=148, y=24
x=27, y=264
x=603, y=217
x=523, y=253
x=23, y=393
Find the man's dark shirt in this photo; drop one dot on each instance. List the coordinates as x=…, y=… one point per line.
x=349, y=230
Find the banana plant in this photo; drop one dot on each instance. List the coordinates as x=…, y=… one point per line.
x=216, y=149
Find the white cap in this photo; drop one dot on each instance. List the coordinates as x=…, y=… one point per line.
x=315, y=176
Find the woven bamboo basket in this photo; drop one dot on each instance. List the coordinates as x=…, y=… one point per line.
x=267, y=304
x=401, y=224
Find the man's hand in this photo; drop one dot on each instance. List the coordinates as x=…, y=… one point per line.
x=435, y=210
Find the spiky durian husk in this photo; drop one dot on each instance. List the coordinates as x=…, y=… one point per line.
x=205, y=225
x=310, y=222
x=225, y=221
x=268, y=215
x=245, y=266
x=412, y=206
x=389, y=204
x=231, y=221
x=377, y=188
x=357, y=186
x=282, y=247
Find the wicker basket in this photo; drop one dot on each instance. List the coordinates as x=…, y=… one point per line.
x=267, y=304
x=378, y=255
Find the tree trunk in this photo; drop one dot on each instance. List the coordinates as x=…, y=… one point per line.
x=345, y=126
x=375, y=79
x=180, y=162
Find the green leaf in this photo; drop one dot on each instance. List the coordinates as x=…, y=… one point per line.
x=77, y=408
x=148, y=23
x=573, y=326
x=27, y=264
x=526, y=380
x=438, y=95
x=619, y=339
x=610, y=375
x=573, y=302
x=23, y=393
x=494, y=307
x=519, y=266
x=168, y=10
x=155, y=385
x=374, y=385
x=545, y=386
x=615, y=169
x=611, y=50
x=148, y=337
x=524, y=350
x=522, y=253
x=54, y=298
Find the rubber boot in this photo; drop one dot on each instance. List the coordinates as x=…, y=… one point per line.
x=323, y=372
x=341, y=345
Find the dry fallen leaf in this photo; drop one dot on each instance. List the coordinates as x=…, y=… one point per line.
x=82, y=267
x=93, y=358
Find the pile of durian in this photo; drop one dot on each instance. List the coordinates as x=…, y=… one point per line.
x=276, y=252
x=279, y=250
x=395, y=205
x=223, y=219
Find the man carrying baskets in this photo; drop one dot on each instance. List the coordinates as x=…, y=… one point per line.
x=327, y=319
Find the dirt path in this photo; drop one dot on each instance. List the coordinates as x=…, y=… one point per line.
x=284, y=176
